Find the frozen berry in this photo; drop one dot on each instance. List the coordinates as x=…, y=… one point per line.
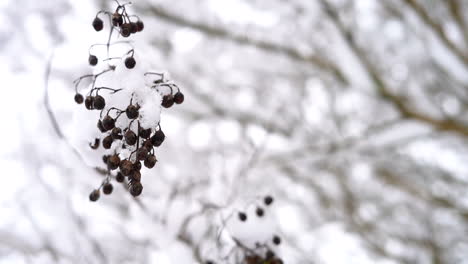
x=89, y=102
x=108, y=122
x=140, y=25
x=132, y=111
x=150, y=161
x=141, y=153
x=99, y=102
x=79, y=98
x=107, y=142
x=147, y=144
x=119, y=177
x=94, y=195
x=135, y=176
x=158, y=138
x=276, y=240
x=98, y=24
x=136, y=188
x=116, y=133
x=145, y=133
x=137, y=165
x=242, y=216
x=93, y=60
x=117, y=19
x=259, y=211
x=130, y=137
x=168, y=101
x=130, y=62
x=107, y=188
x=126, y=167
x=179, y=98
x=268, y=200
x=125, y=30
x=113, y=162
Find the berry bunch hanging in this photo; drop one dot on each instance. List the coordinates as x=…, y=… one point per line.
x=127, y=103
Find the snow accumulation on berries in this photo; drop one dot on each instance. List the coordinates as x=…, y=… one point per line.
x=118, y=127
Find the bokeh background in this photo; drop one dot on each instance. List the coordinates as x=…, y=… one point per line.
x=352, y=114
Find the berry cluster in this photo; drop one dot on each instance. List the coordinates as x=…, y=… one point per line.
x=128, y=144
x=262, y=253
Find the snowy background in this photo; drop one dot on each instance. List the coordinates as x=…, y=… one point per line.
x=351, y=114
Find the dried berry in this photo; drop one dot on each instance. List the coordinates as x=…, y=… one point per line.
x=179, y=98
x=242, y=216
x=145, y=133
x=125, y=30
x=142, y=153
x=137, y=165
x=113, y=162
x=119, y=177
x=269, y=254
x=108, y=122
x=126, y=167
x=136, y=188
x=107, y=142
x=168, y=101
x=89, y=102
x=117, y=19
x=79, y=98
x=132, y=111
x=133, y=27
x=100, y=127
x=130, y=62
x=259, y=211
x=130, y=137
x=93, y=60
x=99, y=102
x=135, y=176
x=150, y=161
x=158, y=138
x=140, y=25
x=95, y=145
x=147, y=144
x=116, y=133
x=94, y=195
x=107, y=188
x=268, y=200
x=276, y=240
x=98, y=24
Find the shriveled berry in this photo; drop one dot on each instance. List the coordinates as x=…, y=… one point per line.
x=117, y=19
x=99, y=102
x=100, y=127
x=268, y=200
x=132, y=111
x=107, y=142
x=98, y=24
x=259, y=211
x=130, y=62
x=145, y=133
x=168, y=101
x=147, y=144
x=133, y=27
x=137, y=165
x=130, y=137
x=242, y=216
x=79, y=98
x=119, y=177
x=140, y=25
x=116, y=133
x=150, y=161
x=113, y=162
x=108, y=122
x=105, y=158
x=142, y=153
x=179, y=98
x=89, y=102
x=158, y=138
x=136, y=188
x=126, y=167
x=94, y=195
x=135, y=176
x=276, y=240
x=107, y=188
x=93, y=60
x=125, y=30
x=95, y=145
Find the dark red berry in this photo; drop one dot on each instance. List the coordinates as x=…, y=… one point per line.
x=126, y=167
x=98, y=24
x=132, y=111
x=113, y=162
x=108, y=123
x=94, y=195
x=107, y=188
x=259, y=211
x=79, y=98
x=140, y=25
x=117, y=19
x=130, y=62
x=130, y=137
x=93, y=60
x=268, y=200
x=242, y=216
x=276, y=240
x=168, y=101
x=99, y=102
x=142, y=153
x=179, y=98
x=158, y=138
x=119, y=177
x=89, y=102
x=150, y=161
x=107, y=142
x=145, y=133
x=125, y=30
x=136, y=188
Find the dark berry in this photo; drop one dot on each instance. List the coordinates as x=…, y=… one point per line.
x=158, y=138
x=113, y=162
x=179, y=98
x=168, y=101
x=117, y=19
x=269, y=254
x=108, y=122
x=101, y=128
x=259, y=211
x=137, y=165
x=147, y=144
x=105, y=158
x=99, y=102
x=94, y=195
x=242, y=216
x=93, y=60
x=268, y=200
x=141, y=153
x=140, y=25
x=276, y=240
x=126, y=167
x=133, y=27
x=119, y=177
x=98, y=24
x=89, y=102
x=132, y=111
x=79, y=98
x=95, y=145
x=130, y=62
x=136, y=188
x=125, y=30
x=107, y=142
x=107, y=188
x=116, y=133
x=150, y=161
x=145, y=133
x=130, y=137
x=135, y=176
